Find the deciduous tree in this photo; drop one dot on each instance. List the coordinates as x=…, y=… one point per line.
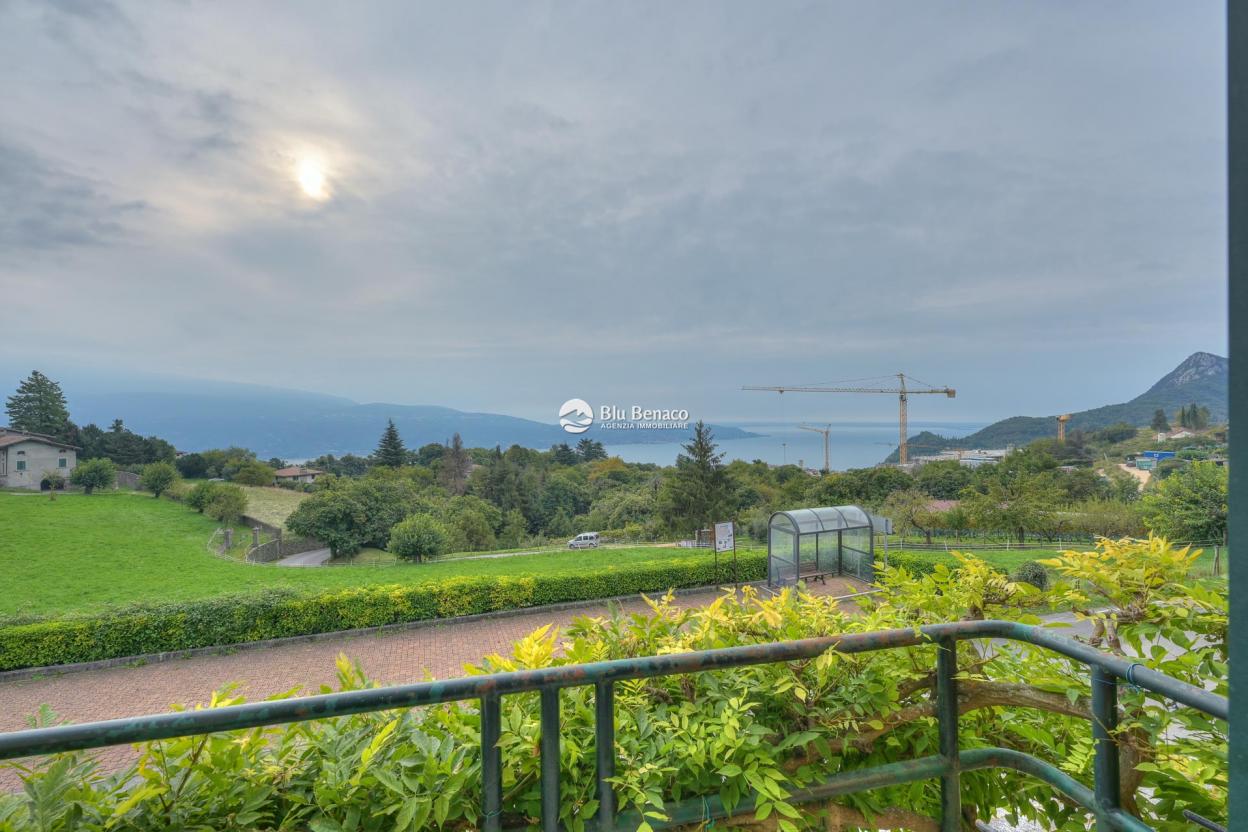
x=453, y=471
x=418, y=538
x=1190, y=504
x=157, y=477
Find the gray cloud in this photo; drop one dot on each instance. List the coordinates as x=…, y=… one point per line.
x=44, y=206
x=529, y=200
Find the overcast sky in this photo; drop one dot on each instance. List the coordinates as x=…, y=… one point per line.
x=502, y=206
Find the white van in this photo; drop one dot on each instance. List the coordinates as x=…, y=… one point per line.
x=588, y=540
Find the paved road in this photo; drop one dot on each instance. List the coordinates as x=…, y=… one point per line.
x=317, y=557
x=438, y=651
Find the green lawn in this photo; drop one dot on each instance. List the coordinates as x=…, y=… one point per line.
x=84, y=553
x=1007, y=560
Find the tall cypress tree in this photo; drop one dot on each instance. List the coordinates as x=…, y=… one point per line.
x=390, y=450
x=38, y=406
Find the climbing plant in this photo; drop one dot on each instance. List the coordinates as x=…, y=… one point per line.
x=765, y=729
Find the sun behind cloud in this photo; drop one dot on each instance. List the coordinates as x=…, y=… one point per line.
x=312, y=179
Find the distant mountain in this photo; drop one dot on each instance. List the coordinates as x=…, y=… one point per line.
x=1202, y=378
x=294, y=424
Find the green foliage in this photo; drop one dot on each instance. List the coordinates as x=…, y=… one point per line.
x=419, y=537
x=1160, y=423
x=252, y=472
x=1018, y=501
x=944, y=479
x=123, y=446
x=200, y=495
x=699, y=493
x=868, y=487
x=1191, y=504
x=38, y=406
x=453, y=466
x=158, y=477
x=335, y=517
x=192, y=466
x=94, y=473
x=910, y=511
x=226, y=503
x=1120, y=431
x=589, y=450
x=53, y=480
x=390, y=450
x=1032, y=573
x=763, y=731
x=348, y=514
x=151, y=628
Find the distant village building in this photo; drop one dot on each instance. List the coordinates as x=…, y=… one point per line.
x=968, y=458
x=25, y=456
x=297, y=474
x=1177, y=433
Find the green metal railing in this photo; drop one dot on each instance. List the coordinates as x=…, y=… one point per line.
x=947, y=766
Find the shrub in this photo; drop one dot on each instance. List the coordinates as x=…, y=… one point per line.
x=152, y=628
x=1031, y=573
x=747, y=736
x=93, y=474
x=54, y=480
x=253, y=472
x=417, y=538
x=226, y=504
x=201, y=494
x=157, y=477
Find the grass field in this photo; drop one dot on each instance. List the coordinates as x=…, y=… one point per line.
x=88, y=553
x=272, y=505
x=1007, y=560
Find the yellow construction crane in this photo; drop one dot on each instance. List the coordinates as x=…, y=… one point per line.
x=901, y=391
x=827, y=432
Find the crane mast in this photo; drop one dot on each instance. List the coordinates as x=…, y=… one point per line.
x=827, y=433
x=901, y=391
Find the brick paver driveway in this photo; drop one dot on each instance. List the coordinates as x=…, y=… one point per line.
x=394, y=657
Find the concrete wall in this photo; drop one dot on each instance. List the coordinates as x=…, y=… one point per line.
x=38, y=458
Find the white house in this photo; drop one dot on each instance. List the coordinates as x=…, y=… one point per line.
x=25, y=456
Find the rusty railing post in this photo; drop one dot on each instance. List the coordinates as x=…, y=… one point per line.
x=550, y=759
x=604, y=742
x=947, y=716
x=491, y=764
x=1105, y=764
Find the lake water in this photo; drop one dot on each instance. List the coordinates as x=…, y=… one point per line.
x=850, y=445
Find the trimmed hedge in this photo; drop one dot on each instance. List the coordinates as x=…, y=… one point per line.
x=235, y=619
x=917, y=563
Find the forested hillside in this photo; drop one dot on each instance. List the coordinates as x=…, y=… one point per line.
x=1201, y=379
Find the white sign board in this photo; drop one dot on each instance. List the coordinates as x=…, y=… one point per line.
x=723, y=537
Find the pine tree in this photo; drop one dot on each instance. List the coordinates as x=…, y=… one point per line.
x=390, y=451
x=699, y=493
x=589, y=450
x=1160, y=423
x=38, y=406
